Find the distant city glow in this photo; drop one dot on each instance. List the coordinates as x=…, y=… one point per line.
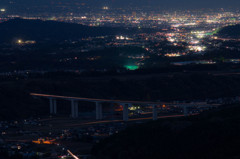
x=197, y=48
x=21, y=42
x=173, y=55
x=122, y=38
x=105, y=7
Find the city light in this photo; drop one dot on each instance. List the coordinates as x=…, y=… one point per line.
x=19, y=41
x=197, y=48
x=122, y=38
x=105, y=8
x=131, y=67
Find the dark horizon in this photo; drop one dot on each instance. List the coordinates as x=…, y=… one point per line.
x=166, y=4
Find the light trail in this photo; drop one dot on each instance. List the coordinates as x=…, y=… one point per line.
x=138, y=119
x=74, y=156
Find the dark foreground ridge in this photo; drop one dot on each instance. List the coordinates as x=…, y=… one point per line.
x=213, y=135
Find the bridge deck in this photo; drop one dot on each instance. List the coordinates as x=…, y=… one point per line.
x=123, y=101
x=94, y=99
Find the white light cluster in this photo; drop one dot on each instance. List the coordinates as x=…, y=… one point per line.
x=122, y=38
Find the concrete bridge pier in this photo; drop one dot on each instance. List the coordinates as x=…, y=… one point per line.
x=125, y=111
x=53, y=106
x=74, y=108
x=155, y=112
x=185, y=110
x=99, y=113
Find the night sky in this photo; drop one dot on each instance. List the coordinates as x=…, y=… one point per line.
x=140, y=3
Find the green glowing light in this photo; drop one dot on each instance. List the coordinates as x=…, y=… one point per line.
x=209, y=33
x=216, y=31
x=131, y=67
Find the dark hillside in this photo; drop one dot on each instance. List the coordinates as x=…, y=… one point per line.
x=53, y=31
x=232, y=31
x=213, y=135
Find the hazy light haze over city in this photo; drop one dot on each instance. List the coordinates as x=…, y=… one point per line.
x=185, y=4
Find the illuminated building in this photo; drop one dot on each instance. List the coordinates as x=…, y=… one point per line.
x=43, y=141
